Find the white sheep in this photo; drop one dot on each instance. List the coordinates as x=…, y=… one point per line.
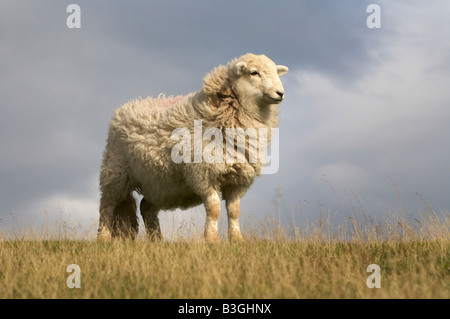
x=139, y=154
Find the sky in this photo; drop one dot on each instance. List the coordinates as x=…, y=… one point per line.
x=364, y=125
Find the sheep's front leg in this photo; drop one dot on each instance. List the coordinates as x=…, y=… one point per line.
x=212, y=206
x=234, y=232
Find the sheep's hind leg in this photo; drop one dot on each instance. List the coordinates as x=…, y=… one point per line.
x=125, y=224
x=150, y=216
x=117, y=205
x=106, y=219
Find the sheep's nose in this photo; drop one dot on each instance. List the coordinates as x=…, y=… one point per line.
x=280, y=94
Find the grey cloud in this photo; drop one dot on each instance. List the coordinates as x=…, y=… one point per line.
x=59, y=87
x=308, y=34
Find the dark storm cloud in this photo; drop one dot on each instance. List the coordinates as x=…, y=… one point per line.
x=60, y=86
x=305, y=34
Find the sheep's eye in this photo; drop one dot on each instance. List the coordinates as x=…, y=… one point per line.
x=254, y=73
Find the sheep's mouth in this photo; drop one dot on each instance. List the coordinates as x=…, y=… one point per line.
x=273, y=99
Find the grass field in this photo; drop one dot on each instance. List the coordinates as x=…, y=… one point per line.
x=311, y=261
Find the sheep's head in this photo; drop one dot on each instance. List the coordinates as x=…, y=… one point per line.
x=257, y=79
x=250, y=80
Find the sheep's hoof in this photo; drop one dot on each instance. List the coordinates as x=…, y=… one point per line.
x=236, y=238
x=104, y=235
x=212, y=238
x=155, y=236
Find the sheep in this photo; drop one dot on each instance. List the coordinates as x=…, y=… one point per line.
x=139, y=154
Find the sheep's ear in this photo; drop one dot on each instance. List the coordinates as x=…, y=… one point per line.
x=240, y=67
x=282, y=70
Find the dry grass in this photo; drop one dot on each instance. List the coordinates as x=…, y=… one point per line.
x=314, y=260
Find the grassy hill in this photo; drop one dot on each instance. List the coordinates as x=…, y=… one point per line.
x=413, y=254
